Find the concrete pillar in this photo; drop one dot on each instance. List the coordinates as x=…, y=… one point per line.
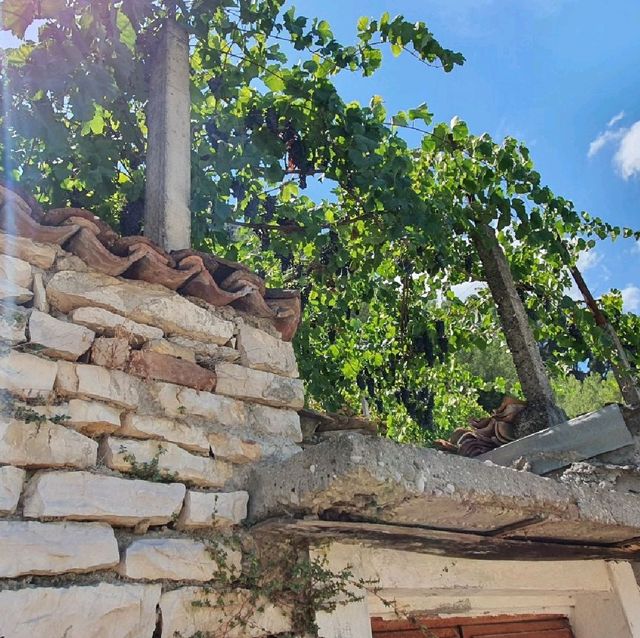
x=542, y=412
x=624, y=584
x=351, y=618
x=167, y=218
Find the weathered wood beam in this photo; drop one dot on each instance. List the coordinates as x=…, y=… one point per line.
x=443, y=542
x=542, y=411
x=167, y=217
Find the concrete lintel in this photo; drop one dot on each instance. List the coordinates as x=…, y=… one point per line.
x=359, y=479
x=566, y=443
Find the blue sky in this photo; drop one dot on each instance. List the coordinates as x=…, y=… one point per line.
x=553, y=73
x=562, y=75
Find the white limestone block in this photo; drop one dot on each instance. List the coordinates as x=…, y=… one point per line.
x=11, y=292
x=11, y=482
x=95, y=382
x=262, y=387
x=92, y=497
x=53, y=411
x=60, y=339
x=207, y=353
x=234, y=448
x=178, y=559
x=30, y=547
x=39, y=293
x=13, y=324
x=189, y=437
x=275, y=421
x=26, y=375
x=179, y=401
x=96, y=611
x=138, y=301
x=44, y=444
x=262, y=351
x=92, y=417
x=172, y=461
x=213, y=509
x=163, y=346
x=109, y=324
x=40, y=255
x=16, y=271
x=181, y=617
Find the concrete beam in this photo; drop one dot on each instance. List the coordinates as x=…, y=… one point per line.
x=358, y=479
x=167, y=218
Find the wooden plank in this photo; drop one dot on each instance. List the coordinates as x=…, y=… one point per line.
x=506, y=626
x=379, y=623
x=565, y=443
x=440, y=542
x=422, y=632
x=514, y=626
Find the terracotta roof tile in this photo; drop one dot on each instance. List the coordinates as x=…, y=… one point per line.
x=485, y=434
x=215, y=280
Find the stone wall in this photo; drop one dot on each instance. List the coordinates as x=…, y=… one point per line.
x=131, y=417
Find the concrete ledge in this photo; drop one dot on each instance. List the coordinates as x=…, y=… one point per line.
x=358, y=479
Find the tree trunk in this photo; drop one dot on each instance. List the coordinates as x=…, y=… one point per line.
x=541, y=411
x=622, y=369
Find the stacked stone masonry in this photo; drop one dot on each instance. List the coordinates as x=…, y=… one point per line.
x=130, y=417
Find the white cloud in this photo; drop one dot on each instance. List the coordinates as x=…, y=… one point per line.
x=627, y=158
x=615, y=119
x=603, y=139
x=631, y=298
x=588, y=259
x=464, y=290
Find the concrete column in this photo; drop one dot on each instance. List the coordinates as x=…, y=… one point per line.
x=350, y=619
x=543, y=411
x=167, y=218
x=624, y=584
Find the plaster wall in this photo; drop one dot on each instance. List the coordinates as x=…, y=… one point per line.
x=600, y=598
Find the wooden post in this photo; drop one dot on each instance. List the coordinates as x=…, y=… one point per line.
x=167, y=218
x=542, y=411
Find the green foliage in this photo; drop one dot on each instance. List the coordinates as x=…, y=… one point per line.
x=148, y=470
x=11, y=409
x=581, y=397
x=493, y=373
x=376, y=255
x=278, y=572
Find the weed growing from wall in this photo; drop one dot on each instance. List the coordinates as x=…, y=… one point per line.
x=275, y=574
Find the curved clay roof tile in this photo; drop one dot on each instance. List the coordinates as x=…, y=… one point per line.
x=213, y=279
x=14, y=220
x=87, y=246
